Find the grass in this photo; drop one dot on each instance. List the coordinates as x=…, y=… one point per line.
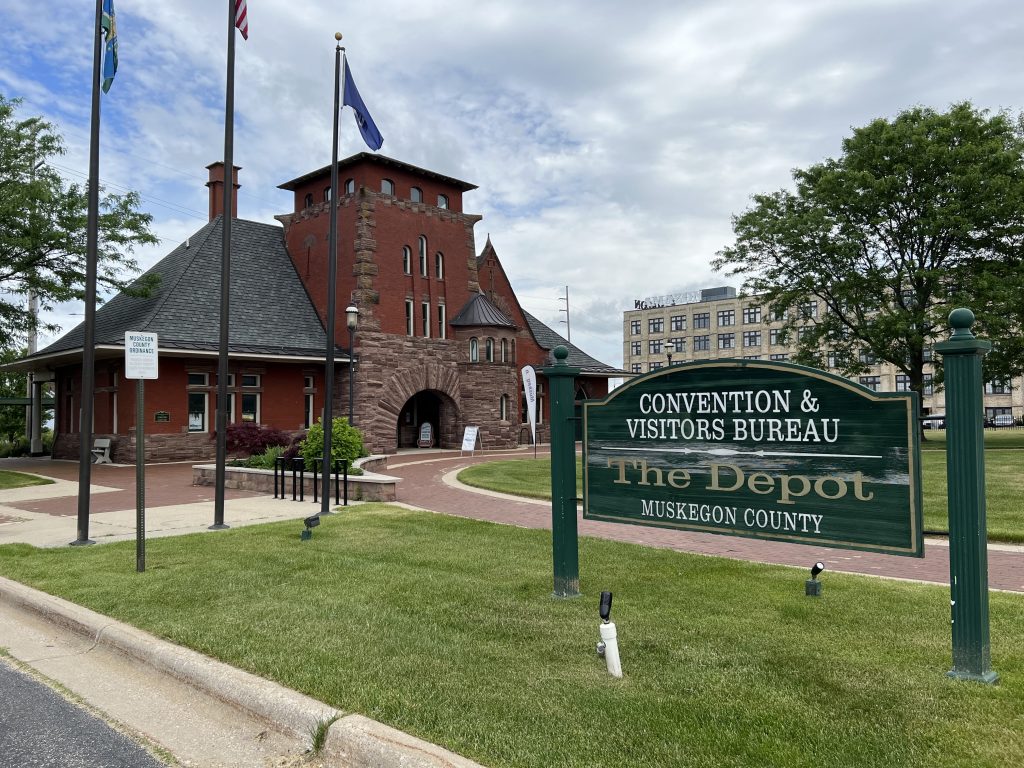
x=935, y=439
x=10, y=479
x=446, y=628
x=1004, y=487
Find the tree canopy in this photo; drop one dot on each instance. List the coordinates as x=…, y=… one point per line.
x=919, y=215
x=43, y=223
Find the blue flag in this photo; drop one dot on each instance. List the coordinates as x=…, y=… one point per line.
x=366, y=125
x=110, y=35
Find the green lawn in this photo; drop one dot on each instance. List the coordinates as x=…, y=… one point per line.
x=446, y=628
x=10, y=479
x=1004, y=487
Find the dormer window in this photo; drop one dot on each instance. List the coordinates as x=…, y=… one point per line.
x=416, y=195
x=387, y=186
x=442, y=201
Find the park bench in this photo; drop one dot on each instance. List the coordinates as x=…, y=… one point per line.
x=101, y=451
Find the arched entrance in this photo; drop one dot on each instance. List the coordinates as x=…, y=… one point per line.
x=426, y=407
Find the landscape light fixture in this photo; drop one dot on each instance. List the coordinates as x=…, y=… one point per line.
x=311, y=523
x=812, y=587
x=352, y=321
x=608, y=646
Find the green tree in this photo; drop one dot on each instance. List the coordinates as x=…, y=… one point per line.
x=346, y=442
x=12, y=417
x=919, y=215
x=43, y=227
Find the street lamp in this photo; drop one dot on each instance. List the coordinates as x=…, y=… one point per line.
x=352, y=320
x=669, y=359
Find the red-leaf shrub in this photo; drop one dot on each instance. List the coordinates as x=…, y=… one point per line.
x=252, y=439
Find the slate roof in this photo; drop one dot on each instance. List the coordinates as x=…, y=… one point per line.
x=548, y=340
x=267, y=318
x=479, y=310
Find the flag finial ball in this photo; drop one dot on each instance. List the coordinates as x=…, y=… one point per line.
x=337, y=35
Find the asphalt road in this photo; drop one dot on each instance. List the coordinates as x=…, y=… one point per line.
x=39, y=728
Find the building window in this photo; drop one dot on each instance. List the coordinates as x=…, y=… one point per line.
x=474, y=350
x=802, y=331
x=634, y=327
x=387, y=186
x=656, y=325
x=251, y=400
x=307, y=202
x=751, y=338
x=779, y=356
x=701, y=320
x=874, y=383
x=778, y=315
x=503, y=408
x=654, y=347
x=726, y=317
x=350, y=186
x=327, y=194
x=653, y=366
x=677, y=323
x=866, y=357
x=504, y=351
x=701, y=343
x=409, y=330
x=751, y=315
x=308, y=391
x=201, y=380
x=442, y=326
x=489, y=350
x=928, y=387
x=635, y=348
x=927, y=354
x=726, y=340
x=777, y=336
x=809, y=309
x=423, y=255
x=637, y=368
x=751, y=357
x=997, y=388
x=416, y=195
x=197, y=404
x=902, y=382
x=677, y=344
x=407, y=259
x=442, y=201
x=439, y=265
x=425, y=316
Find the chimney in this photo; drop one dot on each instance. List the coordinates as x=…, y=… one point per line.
x=216, y=185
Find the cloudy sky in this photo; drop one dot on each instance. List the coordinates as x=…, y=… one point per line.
x=611, y=142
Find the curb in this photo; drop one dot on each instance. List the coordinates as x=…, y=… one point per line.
x=353, y=740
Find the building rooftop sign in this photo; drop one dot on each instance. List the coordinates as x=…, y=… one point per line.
x=764, y=450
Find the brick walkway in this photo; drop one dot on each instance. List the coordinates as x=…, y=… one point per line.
x=424, y=485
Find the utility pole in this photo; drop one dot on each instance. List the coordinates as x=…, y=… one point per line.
x=568, y=330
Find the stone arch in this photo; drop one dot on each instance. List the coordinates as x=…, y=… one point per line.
x=405, y=384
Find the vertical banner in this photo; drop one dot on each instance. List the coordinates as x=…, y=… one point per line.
x=530, y=388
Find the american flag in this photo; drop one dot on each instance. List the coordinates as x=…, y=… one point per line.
x=241, y=18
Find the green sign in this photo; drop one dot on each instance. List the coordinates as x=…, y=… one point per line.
x=765, y=450
x=161, y=416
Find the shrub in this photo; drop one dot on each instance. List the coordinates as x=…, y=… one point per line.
x=252, y=439
x=346, y=442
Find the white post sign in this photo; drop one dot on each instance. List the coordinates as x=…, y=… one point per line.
x=140, y=355
x=530, y=388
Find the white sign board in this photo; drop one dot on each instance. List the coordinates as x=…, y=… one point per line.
x=469, y=438
x=140, y=355
x=530, y=389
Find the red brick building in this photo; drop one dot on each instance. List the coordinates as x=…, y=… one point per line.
x=441, y=336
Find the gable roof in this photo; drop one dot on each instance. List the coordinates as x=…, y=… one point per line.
x=480, y=310
x=184, y=311
x=384, y=160
x=549, y=339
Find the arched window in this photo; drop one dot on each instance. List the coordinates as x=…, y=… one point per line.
x=503, y=408
x=423, y=255
x=442, y=201
x=327, y=194
x=308, y=202
x=387, y=186
x=350, y=186
x=504, y=350
x=416, y=195
x=513, y=358
x=407, y=259
x=474, y=350
x=489, y=351
x=439, y=265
